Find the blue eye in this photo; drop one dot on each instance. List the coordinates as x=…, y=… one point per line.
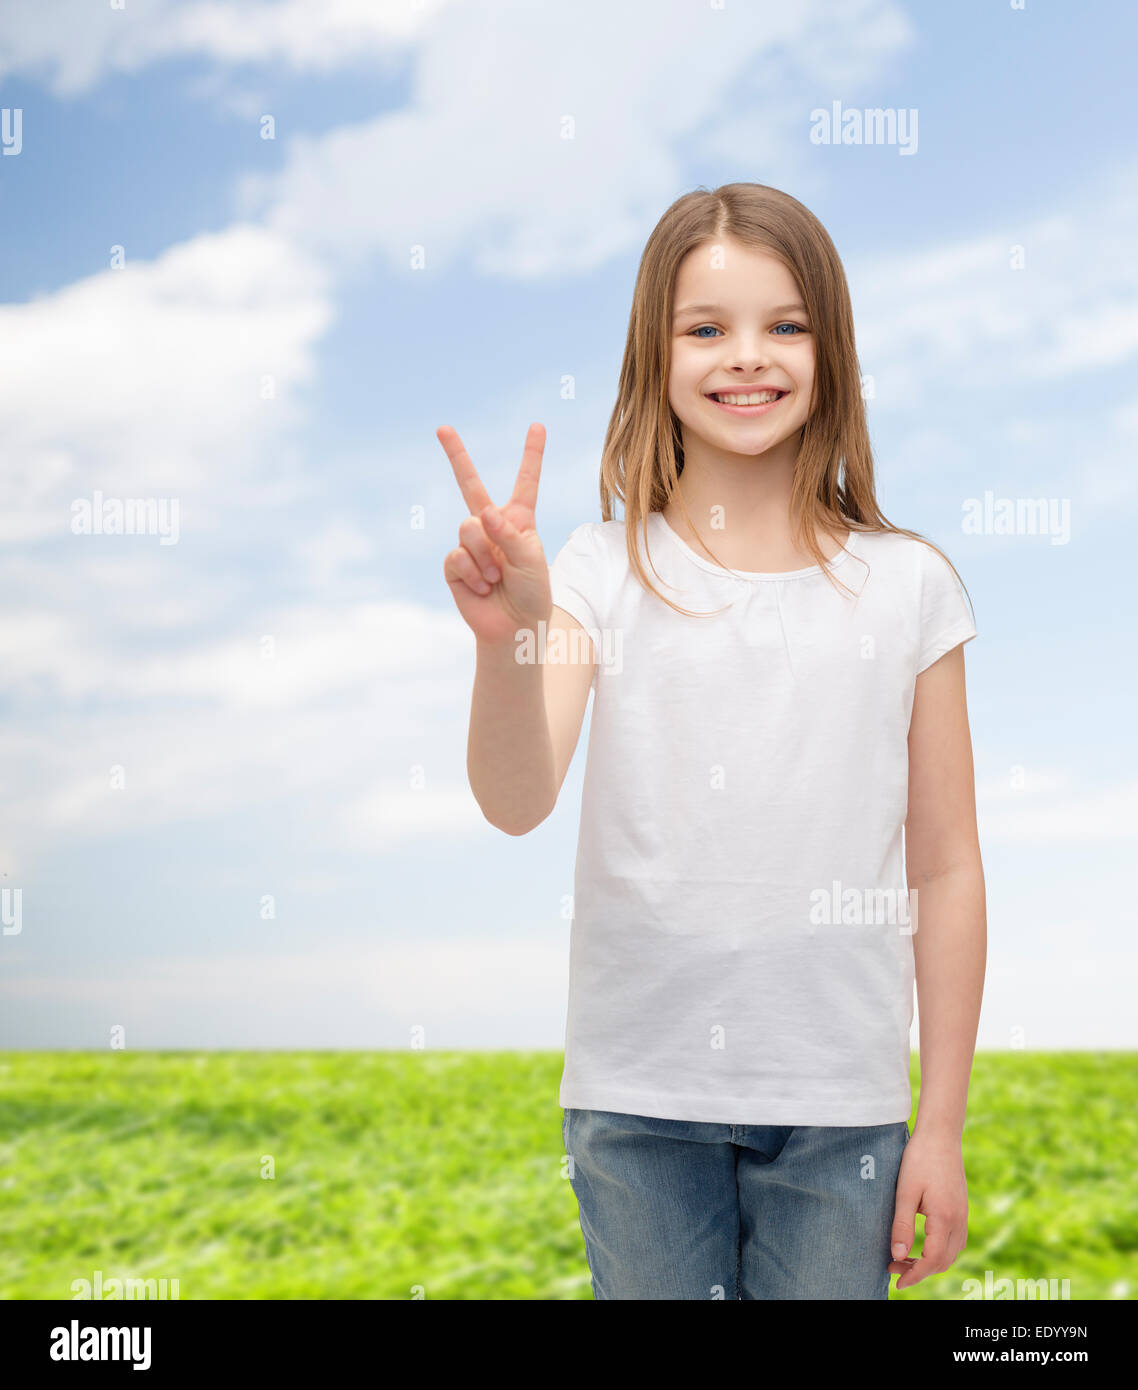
x=698, y=332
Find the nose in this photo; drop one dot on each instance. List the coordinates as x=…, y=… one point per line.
x=751, y=354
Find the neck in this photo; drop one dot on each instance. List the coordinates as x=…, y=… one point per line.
x=739, y=505
x=738, y=492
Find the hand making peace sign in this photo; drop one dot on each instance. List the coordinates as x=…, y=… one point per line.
x=498, y=575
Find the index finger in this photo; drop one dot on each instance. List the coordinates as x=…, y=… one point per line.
x=474, y=494
x=525, y=486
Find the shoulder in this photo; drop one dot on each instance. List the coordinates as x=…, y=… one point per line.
x=600, y=533
x=582, y=574
x=909, y=557
x=598, y=540
x=921, y=585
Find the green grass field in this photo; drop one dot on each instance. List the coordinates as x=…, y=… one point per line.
x=440, y=1175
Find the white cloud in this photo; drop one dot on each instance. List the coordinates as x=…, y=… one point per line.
x=85, y=43
x=1091, y=977
x=504, y=990
x=149, y=381
x=958, y=314
x=507, y=989
x=334, y=552
x=1051, y=808
x=349, y=693
x=475, y=166
x=287, y=659
x=397, y=813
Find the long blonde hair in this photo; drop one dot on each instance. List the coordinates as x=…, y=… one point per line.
x=643, y=451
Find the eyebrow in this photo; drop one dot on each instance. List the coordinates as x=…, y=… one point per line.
x=718, y=308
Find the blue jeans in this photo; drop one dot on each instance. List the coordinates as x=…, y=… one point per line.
x=682, y=1209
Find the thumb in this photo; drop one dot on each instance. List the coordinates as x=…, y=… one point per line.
x=904, y=1229
x=505, y=535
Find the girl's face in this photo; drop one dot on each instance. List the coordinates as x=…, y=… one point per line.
x=739, y=327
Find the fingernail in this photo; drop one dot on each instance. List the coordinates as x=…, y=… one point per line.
x=493, y=574
x=898, y=1250
x=493, y=516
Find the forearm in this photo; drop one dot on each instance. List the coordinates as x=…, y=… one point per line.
x=509, y=757
x=950, y=947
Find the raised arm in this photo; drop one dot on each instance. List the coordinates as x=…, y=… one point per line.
x=525, y=715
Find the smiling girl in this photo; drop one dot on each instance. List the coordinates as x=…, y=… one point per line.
x=779, y=766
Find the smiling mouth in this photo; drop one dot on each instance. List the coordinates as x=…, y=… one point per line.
x=747, y=402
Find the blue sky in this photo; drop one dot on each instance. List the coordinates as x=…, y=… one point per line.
x=331, y=774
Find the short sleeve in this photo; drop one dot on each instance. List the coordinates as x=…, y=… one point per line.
x=945, y=617
x=578, y=577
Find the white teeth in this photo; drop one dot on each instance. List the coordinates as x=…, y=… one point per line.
x=755, y=398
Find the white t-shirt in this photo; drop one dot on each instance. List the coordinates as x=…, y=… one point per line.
x=733, y=957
